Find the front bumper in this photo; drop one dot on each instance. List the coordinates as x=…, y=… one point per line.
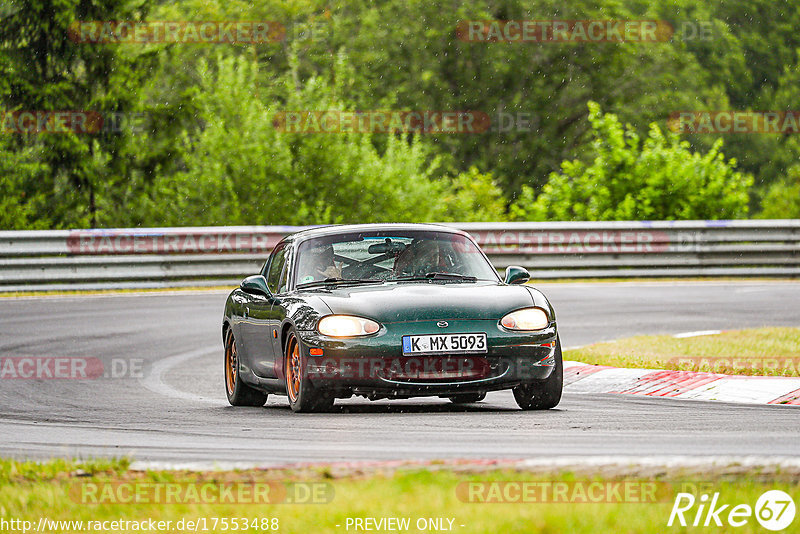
x=375, y=366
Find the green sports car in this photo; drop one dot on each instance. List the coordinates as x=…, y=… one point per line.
x=388, y=311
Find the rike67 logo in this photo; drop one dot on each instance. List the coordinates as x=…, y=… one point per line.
x=774, y=510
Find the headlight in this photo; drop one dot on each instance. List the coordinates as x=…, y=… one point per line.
x=526, y=319
x=346, y=326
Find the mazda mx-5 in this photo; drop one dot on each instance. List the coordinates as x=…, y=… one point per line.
x=388, y=311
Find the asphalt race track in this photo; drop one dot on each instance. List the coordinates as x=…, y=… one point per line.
x=175, y=410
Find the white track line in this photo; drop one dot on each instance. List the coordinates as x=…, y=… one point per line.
x=154, y=381
x=697, y=333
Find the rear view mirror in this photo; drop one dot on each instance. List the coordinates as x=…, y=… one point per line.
x=388, y=246
x=517, y=275
x=255, y=285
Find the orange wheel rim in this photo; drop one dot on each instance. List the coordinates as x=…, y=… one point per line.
x=231, y=365
x=293, y=369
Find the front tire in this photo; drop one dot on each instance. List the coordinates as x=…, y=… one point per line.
x=303, y=396
x=543, y=394
x=239, y=393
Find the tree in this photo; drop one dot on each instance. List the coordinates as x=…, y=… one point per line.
x=659, y=178
x=474, y=197
x=20, y=209
x=240, y=169
x=782, y=200
x=45, y=71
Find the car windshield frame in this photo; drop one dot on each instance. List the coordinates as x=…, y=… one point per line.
x=301, y=247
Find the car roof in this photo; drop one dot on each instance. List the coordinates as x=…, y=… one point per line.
x=335, y=229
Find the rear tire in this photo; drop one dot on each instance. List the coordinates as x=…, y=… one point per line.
x=467, y=398
x=303, y=396
x=543, y=394
x=239, y=393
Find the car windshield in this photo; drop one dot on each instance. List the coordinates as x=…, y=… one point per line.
x=364, y=257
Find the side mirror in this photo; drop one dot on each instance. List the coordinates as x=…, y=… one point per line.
x=256, y=285
x=517, y=275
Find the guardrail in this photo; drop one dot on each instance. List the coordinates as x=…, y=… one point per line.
x=159, y=257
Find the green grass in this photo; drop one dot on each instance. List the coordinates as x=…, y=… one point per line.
x=15, y=472
x=29, y=491
x=759, y=351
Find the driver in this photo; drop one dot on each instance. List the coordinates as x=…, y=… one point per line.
x=322, y=264
x=420, y=258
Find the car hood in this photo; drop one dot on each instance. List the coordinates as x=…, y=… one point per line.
x=398, y=302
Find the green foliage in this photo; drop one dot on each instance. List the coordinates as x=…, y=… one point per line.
x=43, y=70
x=474, y=197
x=19, y=198
x=233, y=164
x=782, y=200
x=209, y=153
x=658, y=178
x=421, y=64
x=266, y=176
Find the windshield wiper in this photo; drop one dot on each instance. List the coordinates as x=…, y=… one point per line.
x=438, y=276
x=339, y=281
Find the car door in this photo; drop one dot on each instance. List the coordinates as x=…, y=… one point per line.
x=278, y=310
x=259, y=325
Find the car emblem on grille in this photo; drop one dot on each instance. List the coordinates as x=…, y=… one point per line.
x=442, y=324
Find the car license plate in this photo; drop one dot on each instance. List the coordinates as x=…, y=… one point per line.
x=445, y=344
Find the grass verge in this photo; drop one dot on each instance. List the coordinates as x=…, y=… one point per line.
x=760, y=351
x=54, y=490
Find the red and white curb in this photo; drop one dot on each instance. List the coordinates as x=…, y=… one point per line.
x=585, y=378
